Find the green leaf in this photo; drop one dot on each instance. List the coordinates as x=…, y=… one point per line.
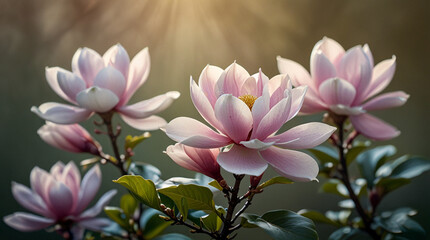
x=335, y=186
x=352, y=153
x=339, y=217
x=411, y=168
x=283, y=224
x=200, y=179
x=212, y=222
x=142, y=189
x=152, y=224
x=390, y=184
x=216, y=185
x=172, y=236
x=348, y=204
x=147, y=171
x=348, y=233
x=369, y=161
x=275, y=180
x=317, y=217
x=117, y=215
x=128, y=204
x=400, y=224
x=132, y=141
x=324, y=154
x=194, y=196
x=195, y=215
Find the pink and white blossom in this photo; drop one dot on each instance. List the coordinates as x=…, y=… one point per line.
x=344, y=83
x=196, y=159
x=247, y=112
x=60, y=197
x=99, y=84
x=72, y=138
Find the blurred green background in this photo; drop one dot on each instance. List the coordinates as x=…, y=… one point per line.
x=183, y=36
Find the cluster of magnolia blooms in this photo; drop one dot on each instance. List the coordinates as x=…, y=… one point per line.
x=245, y=112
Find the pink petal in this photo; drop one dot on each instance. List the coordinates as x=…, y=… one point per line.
x=261, y=107
x=97, y=99
x=321, y=68
x=257, y=144
x=193, y=133
x=295, y=165
x=61, y=113
x=51, y=77
x=70, y=84
x=369, y=54
x=95, y=224
x=231, y=80
x=26, y=222
x=137, y=75
x=262, y=80
x=203, y=105
x=373, y=128
x=304, y=136
x=72, y=178
x=382, y=75
x=145, y=124
x=345, y=110
x=98, y=208
x=56, y=170
x=277, y=86
x=298, y=74
x=61, y=199
x=75, y=58
x=298, y=97
x=273, y=120
x=312, y=103
x=118, y=58
x=111, y=79
x=387, y=100
x=337, y=91
x=249, y=87
x=51, y=135
x=40, y=181
x=235, y=116
x=89, y=64
x=330, y=48
x=207, y=81
x=356, y=69
x=242, y=160
x=89, y=187
x=29, y=199
x=196, y=159
x=150, y=106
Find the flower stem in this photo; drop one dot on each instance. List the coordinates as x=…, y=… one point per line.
x=234, y=200
x=343, y=170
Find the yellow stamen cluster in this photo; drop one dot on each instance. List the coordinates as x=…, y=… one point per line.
x=249, y=100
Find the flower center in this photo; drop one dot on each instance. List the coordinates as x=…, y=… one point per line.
x=249, y=100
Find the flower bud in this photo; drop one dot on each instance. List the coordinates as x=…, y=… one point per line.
x=255, y=180
x=72, y=138
x=196, y=159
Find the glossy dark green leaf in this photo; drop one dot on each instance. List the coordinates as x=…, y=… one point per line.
x=400, y=224
x=340, y=217
x=196, y=197
x=348, y=233
x=275, y=180
x=352, y=153
x=335, y=186
x=325, y=154
x=142, y=189
x=128, y=204
x=390, y=184
x=147, y=171
x=172, y=236
x=200, y=179
x=117, y=215
x=152, y=224
x=132, y=141
x=195, y=215
x=317, y=217
x=212, y=222
x=411, y=168
x=369, y=161
x=283, y=224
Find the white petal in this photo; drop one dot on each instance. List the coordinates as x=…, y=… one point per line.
x=97, y=99
x=61, y=113
x=112, y=79
x=145, y=124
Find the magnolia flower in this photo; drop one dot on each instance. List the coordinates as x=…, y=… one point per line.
x=196, y=159
x=102, y=84
x=61, y=198
x=247, y=111
x=343, y=83
x=72, y=138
